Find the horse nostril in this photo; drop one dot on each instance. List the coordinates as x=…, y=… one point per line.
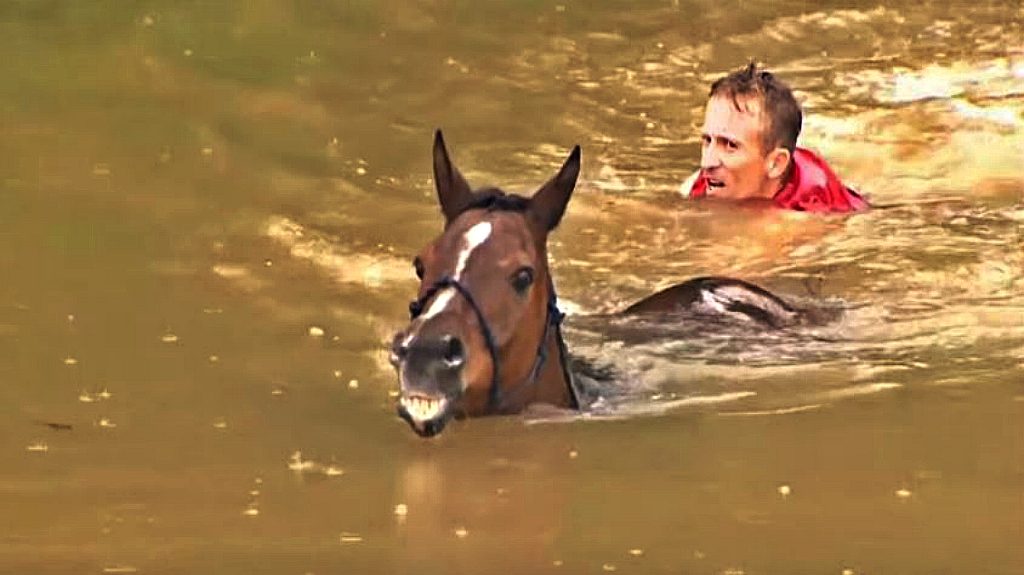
x=454, y=354
x=399, y=350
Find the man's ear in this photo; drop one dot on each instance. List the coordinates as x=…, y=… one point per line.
x=776, y=162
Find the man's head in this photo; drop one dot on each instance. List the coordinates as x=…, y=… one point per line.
x=751, y=125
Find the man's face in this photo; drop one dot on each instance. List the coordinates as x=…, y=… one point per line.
x=732, y=158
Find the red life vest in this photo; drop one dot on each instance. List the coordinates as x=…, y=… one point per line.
x=812, y=187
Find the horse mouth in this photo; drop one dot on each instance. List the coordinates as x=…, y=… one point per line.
x=427, y=415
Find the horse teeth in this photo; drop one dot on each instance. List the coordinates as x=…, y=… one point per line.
x=422, y=408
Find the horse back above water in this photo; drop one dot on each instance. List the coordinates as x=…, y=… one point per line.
x=485, y=335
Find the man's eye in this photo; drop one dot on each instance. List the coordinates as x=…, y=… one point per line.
x=705, y=139
x=732, y=144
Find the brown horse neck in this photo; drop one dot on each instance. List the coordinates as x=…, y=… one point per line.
x=551, y=386
x=554, y=384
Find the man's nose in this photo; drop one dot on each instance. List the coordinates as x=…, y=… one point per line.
x=709, y=157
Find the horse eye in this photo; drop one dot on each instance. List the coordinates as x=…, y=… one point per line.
x=522, y=279
x=418, y=264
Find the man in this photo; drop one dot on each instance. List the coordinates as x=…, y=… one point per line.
x=749, y=150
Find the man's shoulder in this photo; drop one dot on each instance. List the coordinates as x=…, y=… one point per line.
x=816, y=187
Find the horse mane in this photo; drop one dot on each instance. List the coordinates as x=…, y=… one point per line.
x=495, y=200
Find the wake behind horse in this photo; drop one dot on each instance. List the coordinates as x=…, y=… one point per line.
x=485, y=336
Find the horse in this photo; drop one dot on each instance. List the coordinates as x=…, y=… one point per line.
x=485, y=332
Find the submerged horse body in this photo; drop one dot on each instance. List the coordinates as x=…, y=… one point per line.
x=485, y=334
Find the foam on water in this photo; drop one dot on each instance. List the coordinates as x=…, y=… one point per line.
x=344, y=265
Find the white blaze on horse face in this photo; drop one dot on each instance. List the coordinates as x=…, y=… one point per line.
x=474, y=238
x=440, y=302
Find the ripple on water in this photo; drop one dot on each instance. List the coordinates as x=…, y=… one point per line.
x=346, y=266
x=312, y=467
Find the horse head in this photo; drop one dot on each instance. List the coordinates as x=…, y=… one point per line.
x=484, y=336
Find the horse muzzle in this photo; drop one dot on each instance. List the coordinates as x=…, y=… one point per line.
x=430, y=372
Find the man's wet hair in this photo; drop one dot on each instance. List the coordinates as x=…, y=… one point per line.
x=784, y=118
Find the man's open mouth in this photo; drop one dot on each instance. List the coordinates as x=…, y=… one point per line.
x=713, y=183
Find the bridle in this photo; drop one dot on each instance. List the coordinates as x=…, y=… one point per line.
x=552, y=321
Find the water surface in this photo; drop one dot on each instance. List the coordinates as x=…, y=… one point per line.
x=209, y=213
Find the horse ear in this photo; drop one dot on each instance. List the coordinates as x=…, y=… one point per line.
x=453, y=192
x=548, y=204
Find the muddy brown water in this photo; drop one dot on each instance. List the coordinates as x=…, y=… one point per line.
x=208, y=213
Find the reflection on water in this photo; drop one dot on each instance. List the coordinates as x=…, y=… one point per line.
x=209, y=214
